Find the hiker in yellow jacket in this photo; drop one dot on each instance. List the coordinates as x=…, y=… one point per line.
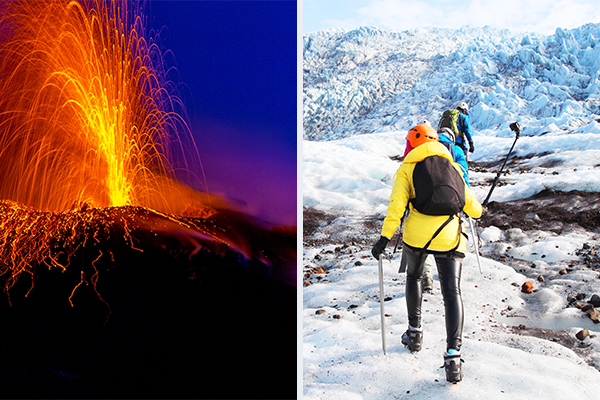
x=448, y=247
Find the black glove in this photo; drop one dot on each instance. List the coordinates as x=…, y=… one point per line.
x=471, y=147
x=379, y=247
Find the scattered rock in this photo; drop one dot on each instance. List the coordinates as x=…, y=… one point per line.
x=541, y=278
x=515, y=284
x=337, y=316
x=563, y=337
x=587, y=307
x=563, y=271
x=580, y=296
x=582, y=334
x=358, y=263
x=318, y=257
x=594, y=315
x=595, y=300
x=527, y=287
x=319, y=271
x=319, y=312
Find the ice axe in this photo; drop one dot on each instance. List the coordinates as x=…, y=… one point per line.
x=516, y=128
x=381, y=300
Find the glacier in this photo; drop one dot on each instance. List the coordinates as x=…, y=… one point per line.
x=370, y=80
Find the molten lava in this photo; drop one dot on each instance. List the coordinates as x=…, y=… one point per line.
x=88, y=114
x=93, y=143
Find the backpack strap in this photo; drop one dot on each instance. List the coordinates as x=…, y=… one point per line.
x=424, y=248
x=438, y=232
x=404, y=261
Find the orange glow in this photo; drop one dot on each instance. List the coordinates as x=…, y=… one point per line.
x=87, y=114
x=89, y=129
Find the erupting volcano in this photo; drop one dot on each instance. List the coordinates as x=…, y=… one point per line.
x=88, y=112
x=94, y=217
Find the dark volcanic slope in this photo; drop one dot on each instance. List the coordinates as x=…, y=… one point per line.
x=166, y=311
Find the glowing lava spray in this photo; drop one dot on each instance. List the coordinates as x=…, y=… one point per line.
x=87, y=112
x=93, y=137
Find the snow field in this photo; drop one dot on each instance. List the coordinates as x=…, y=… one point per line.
x=343, y=357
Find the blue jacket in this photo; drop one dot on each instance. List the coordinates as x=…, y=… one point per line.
x=458, y=155
x=464, y=127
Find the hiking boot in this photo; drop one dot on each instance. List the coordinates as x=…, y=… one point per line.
x=452, y=364
x=427, y=282
x=413, y=338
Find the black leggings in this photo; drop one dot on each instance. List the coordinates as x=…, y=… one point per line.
x=449, y=266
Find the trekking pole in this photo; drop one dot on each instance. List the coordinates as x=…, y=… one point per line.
x=475, y=239
x=381, y=299
x=517, y=129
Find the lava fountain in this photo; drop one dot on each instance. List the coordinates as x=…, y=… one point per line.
x=87, y=114
x=90, y=119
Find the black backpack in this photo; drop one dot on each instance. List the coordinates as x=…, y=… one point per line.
x=439, y=188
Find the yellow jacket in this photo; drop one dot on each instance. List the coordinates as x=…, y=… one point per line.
x=419, y=228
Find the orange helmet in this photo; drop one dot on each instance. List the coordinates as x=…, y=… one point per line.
x=421, y=134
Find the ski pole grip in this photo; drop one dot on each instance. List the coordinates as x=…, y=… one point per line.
x=516, y=128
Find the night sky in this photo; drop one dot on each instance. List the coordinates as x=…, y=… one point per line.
x=238, y=60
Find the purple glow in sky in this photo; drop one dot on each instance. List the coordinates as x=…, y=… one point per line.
x=238, y=61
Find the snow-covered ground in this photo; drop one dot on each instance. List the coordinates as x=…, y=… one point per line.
x=343, y=355
x=515, y=345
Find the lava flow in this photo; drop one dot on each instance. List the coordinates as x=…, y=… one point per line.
x=94, y=143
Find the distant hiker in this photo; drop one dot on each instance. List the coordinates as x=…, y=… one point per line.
x=458, y=121
x=437, y=234
x=446, y=137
